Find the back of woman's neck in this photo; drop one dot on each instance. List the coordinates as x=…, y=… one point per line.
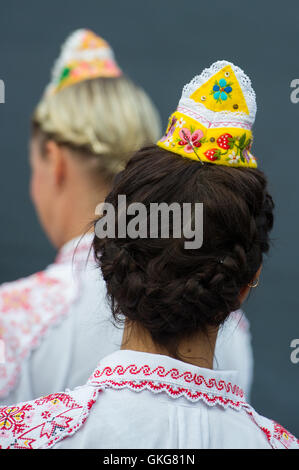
x=197, y=350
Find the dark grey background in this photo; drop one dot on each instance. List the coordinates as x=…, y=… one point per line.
x=162, y=44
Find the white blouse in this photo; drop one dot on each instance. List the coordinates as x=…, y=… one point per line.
x=147, y=401
x=56, y=325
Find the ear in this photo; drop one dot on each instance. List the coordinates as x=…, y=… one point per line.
x=57, y=162
x=246, y=289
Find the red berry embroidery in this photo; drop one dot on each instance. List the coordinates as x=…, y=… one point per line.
x=225, y=141
x=212, y=154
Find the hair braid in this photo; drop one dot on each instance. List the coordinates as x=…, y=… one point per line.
x=171, y=291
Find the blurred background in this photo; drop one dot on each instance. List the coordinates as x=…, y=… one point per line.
x=162, y=45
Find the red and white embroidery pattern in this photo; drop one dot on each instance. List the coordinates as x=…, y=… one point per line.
x=30, y=306
x=193, y=387
x=276, y=435
x=43, y=422
x=176, y=384
x=285, y=437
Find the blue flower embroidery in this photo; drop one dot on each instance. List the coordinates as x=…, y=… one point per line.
x=221, y=90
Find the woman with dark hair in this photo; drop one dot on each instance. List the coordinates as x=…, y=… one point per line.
x=56, y=323
x=160, y=389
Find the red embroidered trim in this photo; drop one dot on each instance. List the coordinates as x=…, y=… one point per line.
x=284, y=436
x=161, y=372
x=76, y=425
x=44, y=422
x=273, y=431
x=267, y=432
x=174, y=392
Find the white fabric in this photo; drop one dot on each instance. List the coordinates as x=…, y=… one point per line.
x=140, y=400
x=57, y=325
x=233, y=349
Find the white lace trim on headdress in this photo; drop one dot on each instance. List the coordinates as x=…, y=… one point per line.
x=211, y=118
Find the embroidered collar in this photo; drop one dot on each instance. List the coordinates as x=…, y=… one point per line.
x=44, y=422
x=158, y=373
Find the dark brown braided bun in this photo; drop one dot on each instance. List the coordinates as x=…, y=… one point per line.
x=172, y=291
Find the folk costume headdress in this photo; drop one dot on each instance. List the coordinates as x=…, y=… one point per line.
x=214, y=118
x=83, y=56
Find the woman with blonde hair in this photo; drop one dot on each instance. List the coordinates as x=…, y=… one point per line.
x=89, y=121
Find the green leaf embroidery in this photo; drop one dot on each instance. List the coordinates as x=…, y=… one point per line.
x=64, y=74
x=242, y=141
x=231, y=142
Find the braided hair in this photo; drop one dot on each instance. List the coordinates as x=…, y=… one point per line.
x=171, y=291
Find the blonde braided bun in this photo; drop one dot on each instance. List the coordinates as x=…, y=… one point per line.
x=107, y=118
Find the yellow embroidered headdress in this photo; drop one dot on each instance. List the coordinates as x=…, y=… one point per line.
x=214, y=118
x=83, y=56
